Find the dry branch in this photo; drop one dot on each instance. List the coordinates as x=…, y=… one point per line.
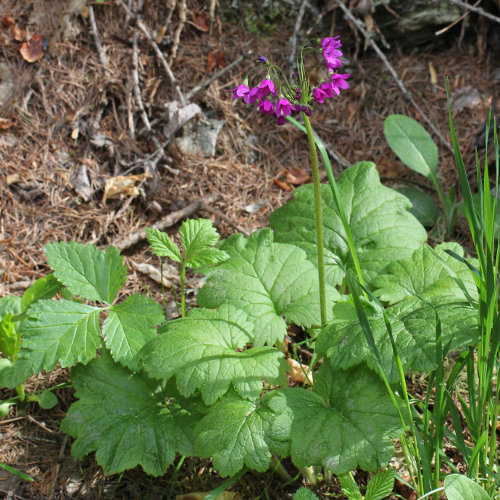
x=168, y=221
x=475, y=9
x=97, y=38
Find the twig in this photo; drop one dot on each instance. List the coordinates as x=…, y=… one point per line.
x=137, y=88
x=298, y=24
x=208, y=81
x=157, y=50
x=97, y=38
x=392, y=71
x=154, y=273
x=225, y=218
x=58, y=466
x=42, y=425
x=475, y=9
x=168, y=221
x=462, y=17
x=182, y=9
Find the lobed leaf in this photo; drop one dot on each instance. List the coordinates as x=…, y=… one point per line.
x=10, y=304
x=382, y=228
x=380, y=485
x=87, y=271
x=203, y=351
x=127, y=420
x=236, y=433
x=425, y=275
x=347, y=420
x=162, y=245
x=304, y=494
x=198, y=236
x=62, y=332
x=267, y=280
x=129, y=326
x=413, y=326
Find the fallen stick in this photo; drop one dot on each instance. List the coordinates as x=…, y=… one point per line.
x=298, y=24
x=168, y=221
x=392, y=71
x=97, y=38
x=475, y=9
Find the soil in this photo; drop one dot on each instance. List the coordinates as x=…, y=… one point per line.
x=70, y=123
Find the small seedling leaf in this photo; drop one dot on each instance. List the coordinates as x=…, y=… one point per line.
x=412, y=143
x=127, y=419
x=198, y=236
x=129, y=326
x=204, y=352
x=60, y=332
x=382, y=228
x=10, y=340
x=43, y=288
x=304, y=494
x=47, y=399
x=460, y=487
x=87, y=271
x=349, y=487
x=380, y=485
x=10, y=304
x=162, y=245
x=267, y=280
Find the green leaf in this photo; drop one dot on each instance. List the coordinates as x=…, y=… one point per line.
x=267, y=280
x=347, y=420
x=197, y=238
x=14, y=374
x=62, y=332
x=126, y=419
x=47, y=399
x=10, y=340
x=413, y=324
x=86, y=270
x=349, y=487
x=412, y=143
x=16, y=472
x=459, y=487
x=43, y=288
x=380, y=485
x=10, y=304
x=382, y=228
x=235, y=433
x=203, y=351
x=477, y=204
x=162, y=245
x=423, y=206
x=304, y=494
x=425, y=275
x=129, y=326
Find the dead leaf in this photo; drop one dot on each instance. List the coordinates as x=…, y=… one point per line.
x=433, y=74
x=225, y=495
x=298, y=372
x=32, y=50
x=123, y=186
x=13, y=179
x=7, y=21
x=18, y=33
x=216, y=59
x=201, y=21
x=81, y=183
x=282, y=185
x=5, y=124
x=296, y=176
x=388, y=169
x=255, y=207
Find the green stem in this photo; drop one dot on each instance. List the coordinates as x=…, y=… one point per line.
x=20, y=393
x=318, y=217
x=183, y=291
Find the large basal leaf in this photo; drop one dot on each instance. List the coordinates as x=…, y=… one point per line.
x=14, y=374
x=412, y=143
x=129, y=326
x=382, y=228
x=236, y=433
x=414, y=329
x=460, y=487
x=425, y=275
x=204, y=352
x=126, y=419
x=87, y=271
x=424, y=207
x=267, y=280
x=61, y=331
x=348, y=420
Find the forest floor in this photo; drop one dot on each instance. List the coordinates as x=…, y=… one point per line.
x=70, y=125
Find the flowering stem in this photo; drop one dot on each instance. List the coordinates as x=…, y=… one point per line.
x=318, y=217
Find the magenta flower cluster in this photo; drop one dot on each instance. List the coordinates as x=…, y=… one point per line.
x=301, y=94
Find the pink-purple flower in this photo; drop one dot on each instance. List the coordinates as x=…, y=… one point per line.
x=283, y=109
x=338, y=81
x=266, y=107
x=266, y=87
x=240, y=91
